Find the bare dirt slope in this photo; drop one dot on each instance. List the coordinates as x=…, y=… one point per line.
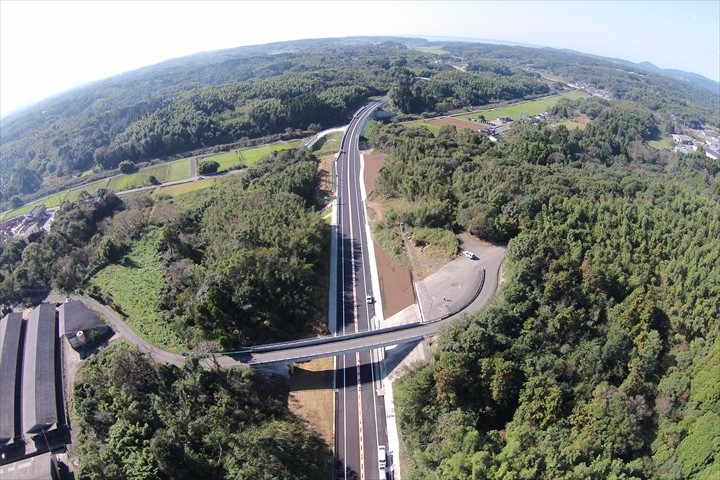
x=395, y=279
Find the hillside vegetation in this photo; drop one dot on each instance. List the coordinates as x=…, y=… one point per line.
x=594, y=359
x=140, y=420
x=598, y=358
x=284, y=91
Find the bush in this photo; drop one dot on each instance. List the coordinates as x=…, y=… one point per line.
x=16, y=201
x=208, y=166
x=127, y=166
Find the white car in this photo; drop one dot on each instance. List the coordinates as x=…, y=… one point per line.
x=469, y=255
x=369, y=299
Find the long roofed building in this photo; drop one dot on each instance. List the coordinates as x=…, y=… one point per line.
x=40, y=410
x=10, y=330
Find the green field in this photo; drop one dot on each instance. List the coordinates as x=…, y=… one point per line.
x=552, y=78
x=514, y=111
x=52, y=201
x=435, y=50
x=661, y=143
x=572, y=124
x=328, y=145
x=421, y=123
x=91, y=188
x=182, y=188
x=134, y=285
x=251, y=156
x=248, y=156
x=166, y=172
x=226, y=160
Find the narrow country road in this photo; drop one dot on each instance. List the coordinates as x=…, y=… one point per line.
x=122, y=329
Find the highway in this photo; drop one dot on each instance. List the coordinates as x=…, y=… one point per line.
x=360, y=414
x=360, y=411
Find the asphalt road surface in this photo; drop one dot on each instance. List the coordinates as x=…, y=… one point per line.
x=360, y=413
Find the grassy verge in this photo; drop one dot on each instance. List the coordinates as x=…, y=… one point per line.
x=134, y=284
x=523, y=109
x=328, y=145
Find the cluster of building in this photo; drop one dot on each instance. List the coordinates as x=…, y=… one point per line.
x=495, y=129
x=592, y=90
x=30, y=226
x=33, y=422
x=707, y=141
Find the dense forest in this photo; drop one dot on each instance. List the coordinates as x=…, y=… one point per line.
x=143, y=421
x=599, y=356
x=243, y=263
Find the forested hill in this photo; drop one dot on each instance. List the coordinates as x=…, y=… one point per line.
x=599, y=357
x=291, y=89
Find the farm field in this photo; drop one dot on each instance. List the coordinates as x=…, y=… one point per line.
x=91, y=188
x=166, y=172
x=248, y=156
x=52, y=201
x=226, y=160
x=515, y=111
x=251, y=156
x=577, y=123
x=435, y=50
x=134, y=285
x=423, y=123
x=183, y=188
x=434, y=124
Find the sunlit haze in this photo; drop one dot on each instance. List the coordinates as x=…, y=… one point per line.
x=49, y=47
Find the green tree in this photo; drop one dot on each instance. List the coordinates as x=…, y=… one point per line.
x=127, y=167
x=207, y=166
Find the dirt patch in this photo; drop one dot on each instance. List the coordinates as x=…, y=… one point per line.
x=395, y=280
x=326, y=173
x=312, y=397
x=428, y=260
x=373, y=164
x=395, y=284
x=459, y=123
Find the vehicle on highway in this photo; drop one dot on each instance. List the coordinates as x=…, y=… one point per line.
x=382, y=461
x=369, y=299
x=469, y=255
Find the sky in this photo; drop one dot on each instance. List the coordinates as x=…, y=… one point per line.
x=48, y=47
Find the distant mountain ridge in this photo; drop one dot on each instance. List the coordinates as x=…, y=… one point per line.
x=693, y=78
